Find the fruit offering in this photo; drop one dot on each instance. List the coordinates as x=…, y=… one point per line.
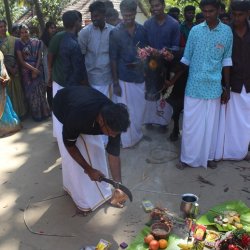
x=154, y=244
x=197, y=245
x=229, y=220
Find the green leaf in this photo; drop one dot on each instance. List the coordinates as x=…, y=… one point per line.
x=138, y=242
x=238, y=206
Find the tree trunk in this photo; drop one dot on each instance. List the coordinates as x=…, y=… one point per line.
x=39, y=14
x=8, y=17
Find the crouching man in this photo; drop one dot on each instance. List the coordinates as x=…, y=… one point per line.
x=85, y=114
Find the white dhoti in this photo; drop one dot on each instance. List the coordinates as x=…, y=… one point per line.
x=55, y=122
x=133, y=97
x=157, y=112
x=200, y=128
x=86, y=194
x=234, y=133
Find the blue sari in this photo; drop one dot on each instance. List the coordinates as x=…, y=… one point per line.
x=9, y=121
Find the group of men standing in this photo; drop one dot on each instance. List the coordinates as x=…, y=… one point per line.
x=105, y=58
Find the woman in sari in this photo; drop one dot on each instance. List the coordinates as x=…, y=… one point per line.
x=9, y=122
x=14, y=88
x=29, y=54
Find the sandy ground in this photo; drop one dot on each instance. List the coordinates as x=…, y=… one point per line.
x=31, y=189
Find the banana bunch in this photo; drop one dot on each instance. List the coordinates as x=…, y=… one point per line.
x=191, y=246
x=184, y=246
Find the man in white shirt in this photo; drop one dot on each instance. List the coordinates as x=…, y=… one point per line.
x=94, y=43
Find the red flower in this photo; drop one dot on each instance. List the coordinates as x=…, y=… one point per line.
x=245, y=240
x=232, y=247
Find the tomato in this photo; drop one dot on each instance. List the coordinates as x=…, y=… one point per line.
x=148, y=238
x=154, y=245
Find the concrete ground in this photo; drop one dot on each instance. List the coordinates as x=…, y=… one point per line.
x=31, y=190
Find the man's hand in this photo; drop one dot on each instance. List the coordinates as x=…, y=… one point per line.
x=4, y=81
x=117, y=89
x=168, y=83
x=94, y=174
x=225, y=96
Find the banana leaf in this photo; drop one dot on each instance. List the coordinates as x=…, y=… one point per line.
x=138, y=242
x=238, y=206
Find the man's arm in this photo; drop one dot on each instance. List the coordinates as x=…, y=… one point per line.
x=176, y=38
x=113, y=150
x=227, y=63
x=115, y=167
x=50, y=59
x=225, y=97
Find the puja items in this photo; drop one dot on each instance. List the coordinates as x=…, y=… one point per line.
x=103, y=245
x=229, y=220
x=160, y=230
x=147, y=205
x=189, y=206
x=198, y=245
x=211, y=238
x=199, y=233
x=235, y=240
x=159, y=215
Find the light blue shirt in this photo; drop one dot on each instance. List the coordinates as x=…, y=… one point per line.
x=206, y=52
x=94, y=45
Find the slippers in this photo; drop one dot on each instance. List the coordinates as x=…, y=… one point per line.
x=81, y=213
x=212, y=164
x=181, y=165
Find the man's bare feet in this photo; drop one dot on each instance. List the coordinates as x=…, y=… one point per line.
x=118, y=198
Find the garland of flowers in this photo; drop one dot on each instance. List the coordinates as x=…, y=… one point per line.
x=235, y=240
x=144, y=53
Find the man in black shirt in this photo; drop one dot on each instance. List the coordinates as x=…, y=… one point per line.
x=85, y=111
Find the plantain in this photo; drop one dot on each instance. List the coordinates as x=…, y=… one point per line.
x=184, y=246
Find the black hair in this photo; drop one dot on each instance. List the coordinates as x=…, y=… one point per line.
x=97, y=6
x=224, y=15
x=222, y=6
x=116, y=117
x=79, y=14
x=108, y=4
x=15, y=28
x=128, y=5
x=45, y=37
x=110, y=12
x=69, y=19
x=199, y=16
x=174, y=9
x=23, y=26
x=215, y=3
x=238, y=5
x=161, y=1
x=189, y=8
x=3, y=21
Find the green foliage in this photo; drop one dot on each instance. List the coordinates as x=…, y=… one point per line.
x=50, y=8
